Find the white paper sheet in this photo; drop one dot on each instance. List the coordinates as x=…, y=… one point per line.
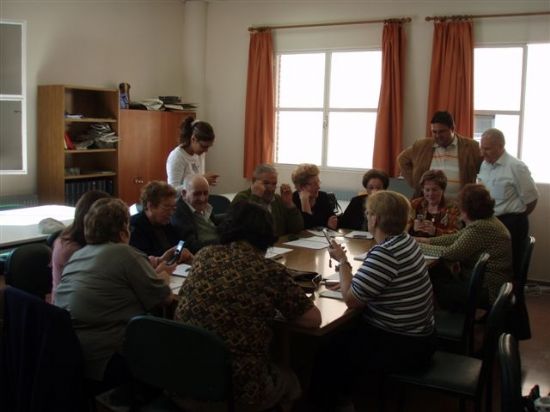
x=182, y=270
x=359, y=234
x=319, y=232
x=274, y=252
x=309, y=242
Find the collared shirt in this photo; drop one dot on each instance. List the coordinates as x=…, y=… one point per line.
x=510, y=183
x=204, y=214
x=446, y=159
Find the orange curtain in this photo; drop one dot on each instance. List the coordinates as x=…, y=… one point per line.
x=388, y=138
x=260, y=106
x=452, y=74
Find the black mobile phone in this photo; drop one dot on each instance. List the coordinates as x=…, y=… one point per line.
x=175, y=257
x=327, y=237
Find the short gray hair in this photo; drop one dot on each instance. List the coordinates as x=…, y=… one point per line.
x=496, y=135
x=263, y=168
x=189, y=180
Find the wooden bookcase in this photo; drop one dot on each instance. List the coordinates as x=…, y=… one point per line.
x=94, y=166
x=146, y=139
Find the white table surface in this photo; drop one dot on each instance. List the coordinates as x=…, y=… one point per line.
x=19, y=226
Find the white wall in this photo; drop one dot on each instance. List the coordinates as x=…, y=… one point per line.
x=199, y=51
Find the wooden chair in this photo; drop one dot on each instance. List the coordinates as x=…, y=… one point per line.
x=510, y=374
x=454, y=330
x=463, y=376
x=180, y=359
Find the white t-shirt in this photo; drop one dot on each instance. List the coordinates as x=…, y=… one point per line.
x=181, y=164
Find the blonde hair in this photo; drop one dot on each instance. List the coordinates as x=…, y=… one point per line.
x=391, y=210
x=303, y=173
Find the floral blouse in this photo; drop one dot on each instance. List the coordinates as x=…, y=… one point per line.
x=446, y=221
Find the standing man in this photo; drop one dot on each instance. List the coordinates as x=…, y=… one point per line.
x=286, y=217
x=458, y=157
x=510, y=183
x=193, y=216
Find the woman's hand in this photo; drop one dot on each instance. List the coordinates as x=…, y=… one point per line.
x=164, y=268
x=336, y=251
x=305, y=201
x=332, y=222
x=286, y=195
x=186, y=256
x=212, y=178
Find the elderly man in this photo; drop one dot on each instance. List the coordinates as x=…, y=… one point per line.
x=510, y=183
x=455, y=155
x=193, y=217
x=287, y=218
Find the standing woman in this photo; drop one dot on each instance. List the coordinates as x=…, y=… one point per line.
x=188, y=158
x=312, y=202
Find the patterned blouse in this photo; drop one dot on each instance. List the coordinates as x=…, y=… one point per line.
x=465, y=246
x=446, y=221
x=234, y=291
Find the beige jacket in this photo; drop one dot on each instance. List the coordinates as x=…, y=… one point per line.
x=416, y=159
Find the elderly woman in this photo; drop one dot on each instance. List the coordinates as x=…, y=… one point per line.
x=354, y=216
x=104, y=285
x=188, y=158
x=312, y=202
x=432, y=214
x=234, y=291
x=392, y=289
x=483, y=233
x=72, y=238
x=151, y=230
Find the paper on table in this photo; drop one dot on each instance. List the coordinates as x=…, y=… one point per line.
x=275, y=252
x=359, y=234
x=182, y=270
x=319, y=232
x=361, y=257
x=176, y=282
x=333, y=276
x=309, y=243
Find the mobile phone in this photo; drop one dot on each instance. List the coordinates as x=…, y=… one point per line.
x=327, y=237
x=175, y=257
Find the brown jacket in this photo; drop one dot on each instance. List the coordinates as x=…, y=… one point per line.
x=416, y=159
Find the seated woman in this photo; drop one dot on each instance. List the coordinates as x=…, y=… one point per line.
x=354, y=216
x=392, y=289
x=483, y=233
x=72, y=238
x=234, y=291
x=151, y=230
x=313, y=203
x=104, y=285
x=432, y=214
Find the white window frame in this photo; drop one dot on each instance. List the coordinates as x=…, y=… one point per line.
x=326, y=110
x=20, y=98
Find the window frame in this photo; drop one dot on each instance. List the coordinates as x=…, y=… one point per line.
x=326, y=110
x=22, y=98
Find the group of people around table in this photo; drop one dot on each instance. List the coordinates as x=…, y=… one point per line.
x=109, y=267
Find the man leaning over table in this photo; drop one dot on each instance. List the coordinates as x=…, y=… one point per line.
x=510, y=183
x=286, y=217
x=446, y=150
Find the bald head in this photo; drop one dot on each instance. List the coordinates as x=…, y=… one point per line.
x=195, y=192
x=492, y=145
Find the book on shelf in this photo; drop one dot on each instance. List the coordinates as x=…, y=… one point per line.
x=69, y=145
x=76, y=188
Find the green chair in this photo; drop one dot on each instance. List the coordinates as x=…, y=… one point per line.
x=463, y=376
x=184, y=360
x=454, y=330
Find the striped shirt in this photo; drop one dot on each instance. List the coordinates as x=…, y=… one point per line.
x=394, y=283
x=446, y=159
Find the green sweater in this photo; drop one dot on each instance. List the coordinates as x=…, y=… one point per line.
x=286, y=220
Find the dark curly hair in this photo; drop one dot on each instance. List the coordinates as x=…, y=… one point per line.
x=376, y=174
x=250, y=222
x=476, y=201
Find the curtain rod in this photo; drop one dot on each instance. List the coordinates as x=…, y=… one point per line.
x=344, y=23
x=483, y=16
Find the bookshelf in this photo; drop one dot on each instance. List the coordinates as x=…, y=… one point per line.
x=64, y=174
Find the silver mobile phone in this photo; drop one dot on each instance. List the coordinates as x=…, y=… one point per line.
x=327, y=237
x=177, y=253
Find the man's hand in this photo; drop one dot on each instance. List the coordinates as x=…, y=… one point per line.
x=258, y=188
x=332, y=222
x=286, y=195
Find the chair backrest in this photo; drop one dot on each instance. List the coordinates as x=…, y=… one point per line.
x=520, y=278
x=510, y=374
x=28, y=268
x=219, y=203
x=474, y=287
x=183, y=359
x=496, y=323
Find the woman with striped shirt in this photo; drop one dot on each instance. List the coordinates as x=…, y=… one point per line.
x=393, y=290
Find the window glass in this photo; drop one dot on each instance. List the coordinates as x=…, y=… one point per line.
x=301, y=80
x=10, y=59
x=300, y=137
x=10, y=136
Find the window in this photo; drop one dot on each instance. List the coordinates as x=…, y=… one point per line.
x=326, y=107
x=13, y=157
x=511, y=93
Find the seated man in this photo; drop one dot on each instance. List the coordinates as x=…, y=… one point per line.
x=287, y=218
x=193, y=218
